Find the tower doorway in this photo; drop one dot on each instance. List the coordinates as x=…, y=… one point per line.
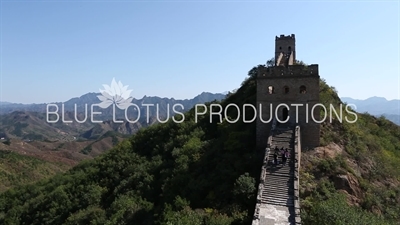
x=285, y=114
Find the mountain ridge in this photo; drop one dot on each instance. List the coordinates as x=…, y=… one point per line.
x=91, y=98
x=98, y=93
x=377, y=106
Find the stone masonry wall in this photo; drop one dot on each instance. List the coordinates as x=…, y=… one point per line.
x=287, y=89
x=297, y=155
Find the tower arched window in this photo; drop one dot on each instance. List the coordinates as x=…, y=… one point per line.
x=285, y=89
x=290, y=49
x=303, y=89
x=280, y=48
x=271, y=90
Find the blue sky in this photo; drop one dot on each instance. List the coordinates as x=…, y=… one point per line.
x=56, y=50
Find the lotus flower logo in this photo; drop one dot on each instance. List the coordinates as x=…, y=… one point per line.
x=115, y=94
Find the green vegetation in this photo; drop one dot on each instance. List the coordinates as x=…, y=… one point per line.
x=188, y=173
x=114, y=140
x=34, y=136
x=86, y=150
x=207, y=173
x=371, y=155
x=335, y=211
x=18, y=128
x=18, y=169
x=114, y=136
x=6, y=142
x=60, y=146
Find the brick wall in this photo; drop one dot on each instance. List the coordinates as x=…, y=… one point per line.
x=291, y=85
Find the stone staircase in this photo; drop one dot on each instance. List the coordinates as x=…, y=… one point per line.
x=285, y=59
x=278, y=188
x=277, y=196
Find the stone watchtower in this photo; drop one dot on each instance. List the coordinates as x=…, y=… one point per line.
x=285, y=50
x=292, y=85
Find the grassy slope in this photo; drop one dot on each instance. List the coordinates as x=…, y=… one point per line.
x=202, y=173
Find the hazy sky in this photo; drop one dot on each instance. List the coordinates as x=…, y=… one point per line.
x=56, y=50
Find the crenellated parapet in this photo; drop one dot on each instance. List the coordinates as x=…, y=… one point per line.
x=285, y=37
x=294, y=70
x=297, y=160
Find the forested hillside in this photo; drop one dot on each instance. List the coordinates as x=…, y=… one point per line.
x=207, y=173
x=188, y=173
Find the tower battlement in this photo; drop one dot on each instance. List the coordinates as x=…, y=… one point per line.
x=285, y=37
x=294, y=70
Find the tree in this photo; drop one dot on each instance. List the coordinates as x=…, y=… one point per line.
x=245, y=185
x=299, y=62
x=271, y=62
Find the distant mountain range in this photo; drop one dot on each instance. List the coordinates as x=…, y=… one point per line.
x=377, y=106
x=29, y=121
x=91, y=98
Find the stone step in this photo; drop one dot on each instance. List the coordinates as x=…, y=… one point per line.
x=287, y=135
x=278, y=188
x=281, y=142
x=282, y=173
x=280, y=166
x=278, y=175
x=288, y=161
x=280, y=131
x=280, y=137
x=277, y=193
x=271, y=153
x=271, y=159
x=275, y=178
x=290, y=134
x=278, y=200
x=279, y=197
x=282, y=201
x=274, y=202
x=272, y=183
x=280, y=145
x=277, y=172
x=279, y=182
